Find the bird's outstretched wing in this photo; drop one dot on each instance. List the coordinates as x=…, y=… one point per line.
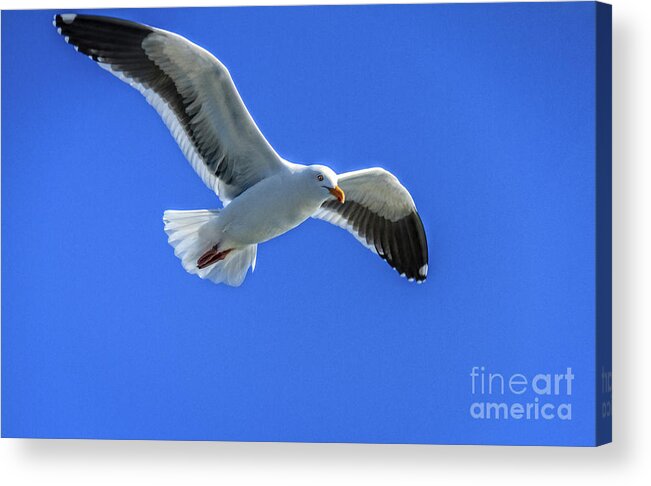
x=381, y=214
x=191, y=90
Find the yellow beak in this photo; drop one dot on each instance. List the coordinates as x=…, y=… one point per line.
x=338, y=193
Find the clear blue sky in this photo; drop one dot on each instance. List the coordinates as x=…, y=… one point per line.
x=484, y=112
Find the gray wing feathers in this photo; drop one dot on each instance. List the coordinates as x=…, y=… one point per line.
x=191, y=90
x=381, y=214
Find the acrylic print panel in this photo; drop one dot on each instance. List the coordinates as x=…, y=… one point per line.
x=485, y=113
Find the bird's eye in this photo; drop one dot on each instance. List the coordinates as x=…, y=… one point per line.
x=320, y=177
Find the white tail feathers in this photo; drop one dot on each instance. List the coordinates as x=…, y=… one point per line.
x=183, y=230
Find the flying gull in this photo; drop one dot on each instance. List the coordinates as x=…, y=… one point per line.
x=263, y=195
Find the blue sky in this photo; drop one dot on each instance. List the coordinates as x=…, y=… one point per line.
x=484, y=112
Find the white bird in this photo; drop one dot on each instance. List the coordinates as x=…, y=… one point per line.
x=263, y=195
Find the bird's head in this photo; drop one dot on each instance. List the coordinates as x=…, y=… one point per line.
x=324, y=181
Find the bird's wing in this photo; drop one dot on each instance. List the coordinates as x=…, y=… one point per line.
x=381, y=214
x=191, y=90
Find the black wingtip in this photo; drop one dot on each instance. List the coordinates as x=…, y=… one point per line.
x=99, y=37
x=63, y=19
x=99, y=22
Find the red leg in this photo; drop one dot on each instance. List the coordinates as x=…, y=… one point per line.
x=212, y=256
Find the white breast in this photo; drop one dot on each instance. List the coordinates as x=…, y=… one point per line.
x=268, y=209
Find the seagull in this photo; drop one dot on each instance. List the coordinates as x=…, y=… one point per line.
x=262, y=194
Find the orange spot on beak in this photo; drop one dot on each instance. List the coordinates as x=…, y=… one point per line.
x=338, y=193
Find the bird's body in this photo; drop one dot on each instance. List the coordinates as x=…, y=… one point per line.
x=270, y=208
x=264, y=195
